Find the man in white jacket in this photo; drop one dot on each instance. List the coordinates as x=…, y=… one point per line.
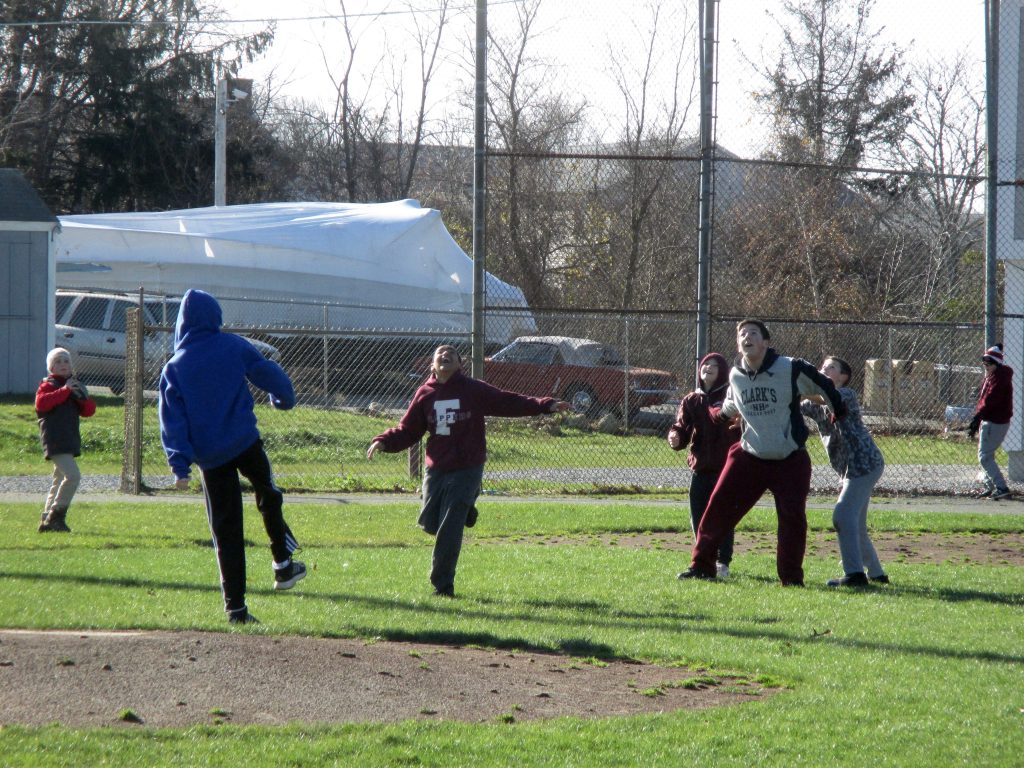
x=765, y=392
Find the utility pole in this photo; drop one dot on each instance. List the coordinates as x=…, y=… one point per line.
x=229, y=90
x=707, y=83
x=992, y=167
x=479, y=190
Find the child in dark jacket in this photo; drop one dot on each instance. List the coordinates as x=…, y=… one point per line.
x=207, y=418
x=451, y=407
x=60, y=400
x=992, y=420
x=709, y=442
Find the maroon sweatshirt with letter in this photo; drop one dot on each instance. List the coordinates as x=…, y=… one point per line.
x=453, y=415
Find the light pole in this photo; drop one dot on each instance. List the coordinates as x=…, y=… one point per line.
x=229, y=90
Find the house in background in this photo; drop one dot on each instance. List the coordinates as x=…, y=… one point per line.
x=27, y=283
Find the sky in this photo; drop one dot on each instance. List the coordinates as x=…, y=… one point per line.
x=584, y=39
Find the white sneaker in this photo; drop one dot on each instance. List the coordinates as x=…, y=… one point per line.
x=722, y=570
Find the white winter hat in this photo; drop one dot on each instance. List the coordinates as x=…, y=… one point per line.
x=52, y=356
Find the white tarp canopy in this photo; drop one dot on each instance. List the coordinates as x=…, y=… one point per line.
x=382, y=266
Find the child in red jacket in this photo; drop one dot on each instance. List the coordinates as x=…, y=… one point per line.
x=992, y=419
x=60, y=400
x=709, y=443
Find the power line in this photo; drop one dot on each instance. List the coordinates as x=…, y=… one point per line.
x=211, y=21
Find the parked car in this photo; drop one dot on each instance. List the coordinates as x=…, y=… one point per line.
x=92, y=327
x=590, y=375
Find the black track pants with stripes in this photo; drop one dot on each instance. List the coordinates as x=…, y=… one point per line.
x=223, y=491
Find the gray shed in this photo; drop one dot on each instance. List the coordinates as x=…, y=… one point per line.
x=27, y=283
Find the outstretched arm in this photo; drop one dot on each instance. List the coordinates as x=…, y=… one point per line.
x=810, y=381
x=268, y=376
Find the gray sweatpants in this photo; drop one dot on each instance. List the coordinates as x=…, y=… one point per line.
x=66, y=477
x=447, y=498
x=850, y=518
x=991, y=436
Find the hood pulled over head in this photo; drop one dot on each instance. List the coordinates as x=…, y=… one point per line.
x=723, y=370
x=199, y=316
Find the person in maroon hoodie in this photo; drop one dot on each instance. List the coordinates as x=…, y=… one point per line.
x=451, y=407
x=60, y=400
x=709, y=442
x=992, y=419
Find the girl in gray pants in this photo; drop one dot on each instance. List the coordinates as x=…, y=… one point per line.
x=853, y=454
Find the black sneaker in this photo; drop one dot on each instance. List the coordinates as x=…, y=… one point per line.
x=242, y=617
x=444, y=591
x=1000, y=493
x=693, y=573
x=471, y=517
x=880, y=579
x=55, y=521
x=288, y=577
x=849, y=580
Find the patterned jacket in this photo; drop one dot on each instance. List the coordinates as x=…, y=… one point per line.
x=851, y=449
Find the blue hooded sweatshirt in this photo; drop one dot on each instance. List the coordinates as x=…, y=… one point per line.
x=206, y=409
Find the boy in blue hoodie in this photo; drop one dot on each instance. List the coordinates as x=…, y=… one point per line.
x=207, y=418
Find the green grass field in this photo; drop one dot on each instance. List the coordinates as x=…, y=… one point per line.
x=314, y=450
x=927, y=672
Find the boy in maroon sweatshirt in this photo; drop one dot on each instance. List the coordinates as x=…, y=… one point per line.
x=992, y=419
x=451, y=407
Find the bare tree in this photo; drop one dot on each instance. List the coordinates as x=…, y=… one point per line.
x=945, y=145
x=657, y=94
x=836, y=95
x=428, y=37
x=531, y=116
x=376, y=131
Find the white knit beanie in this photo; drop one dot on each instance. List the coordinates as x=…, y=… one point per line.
x=53, y=354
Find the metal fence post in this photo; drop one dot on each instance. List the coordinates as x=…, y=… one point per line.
x=414, y=460
x=892, y=379
x=326, y=350
x=625, y=397
x=131, y=461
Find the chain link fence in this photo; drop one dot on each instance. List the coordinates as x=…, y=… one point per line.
x=847, y=211
x=917, y=384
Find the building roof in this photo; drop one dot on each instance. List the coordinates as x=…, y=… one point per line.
x=19, y=201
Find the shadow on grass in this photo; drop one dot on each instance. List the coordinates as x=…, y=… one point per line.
x=572, y=646
x=896, y=590
x=599, y=614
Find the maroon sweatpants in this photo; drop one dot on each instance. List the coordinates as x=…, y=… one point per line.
x=743, y=481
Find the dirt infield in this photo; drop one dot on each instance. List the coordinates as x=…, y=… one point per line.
x=926, y=548
x=177, y=679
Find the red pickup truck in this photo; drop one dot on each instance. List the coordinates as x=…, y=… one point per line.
x=590, y=375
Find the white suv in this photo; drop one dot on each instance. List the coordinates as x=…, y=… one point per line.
x=92, y=327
